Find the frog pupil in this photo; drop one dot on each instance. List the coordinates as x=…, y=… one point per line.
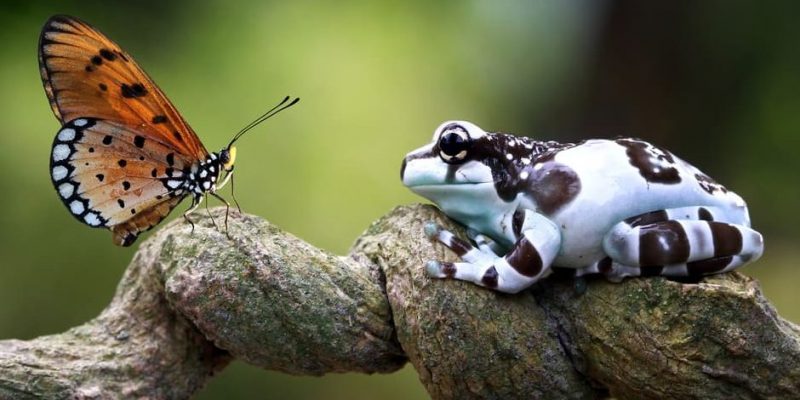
x=452, y=143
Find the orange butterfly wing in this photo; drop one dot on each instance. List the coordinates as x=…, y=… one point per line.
x=85, y=74
x=124, y=151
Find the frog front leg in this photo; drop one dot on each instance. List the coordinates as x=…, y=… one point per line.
x=528, y=260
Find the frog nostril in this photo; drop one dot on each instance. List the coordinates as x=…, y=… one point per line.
x=403, y=168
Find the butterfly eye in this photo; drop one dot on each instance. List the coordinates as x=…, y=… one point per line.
x=227, y=157
x=454, y=142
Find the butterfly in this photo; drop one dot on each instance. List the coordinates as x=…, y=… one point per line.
x=124, y=157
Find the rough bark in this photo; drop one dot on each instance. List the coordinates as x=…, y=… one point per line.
x=190, y=302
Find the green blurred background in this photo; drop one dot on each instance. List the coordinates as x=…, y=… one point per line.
x=717, y=82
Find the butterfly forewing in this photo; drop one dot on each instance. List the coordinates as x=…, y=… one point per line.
x=110, y=175
x=85, y=74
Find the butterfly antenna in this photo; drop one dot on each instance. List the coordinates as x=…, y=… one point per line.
x=267, y=115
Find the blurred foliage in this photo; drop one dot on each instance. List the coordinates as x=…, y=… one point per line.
x=716, y=82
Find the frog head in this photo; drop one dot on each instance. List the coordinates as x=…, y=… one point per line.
x=459, y=170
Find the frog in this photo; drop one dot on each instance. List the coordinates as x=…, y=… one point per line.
x=618, y=208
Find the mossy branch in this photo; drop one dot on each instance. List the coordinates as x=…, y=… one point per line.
x=190, y=302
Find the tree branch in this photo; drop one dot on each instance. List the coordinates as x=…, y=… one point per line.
x=190, y=302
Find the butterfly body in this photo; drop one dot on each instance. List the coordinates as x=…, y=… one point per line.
x=124, y=157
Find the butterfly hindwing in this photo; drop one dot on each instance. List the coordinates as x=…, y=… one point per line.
x=111, y=175
x=85, y=74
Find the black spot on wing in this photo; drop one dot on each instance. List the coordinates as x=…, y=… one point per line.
x=107, y=139
x=159, y=119
x=96, y=60
x=122, y=163
x=103, y=87
x=108, y=54
x=138, y=141
x=132, y=91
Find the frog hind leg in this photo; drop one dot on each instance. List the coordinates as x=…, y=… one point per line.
x=528, y=260
x=687, y=241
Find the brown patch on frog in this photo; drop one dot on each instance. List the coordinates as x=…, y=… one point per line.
x=708, y=266
x=709, y=185
x=727, y=239
x=525, y=259
x=516, y=222
x=654, y=164
x=490, y=278
x=552, y=186
x=663, y=243
x=704, y=215
x=647, y=218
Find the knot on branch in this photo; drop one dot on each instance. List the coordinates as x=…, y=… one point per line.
x=189, y=302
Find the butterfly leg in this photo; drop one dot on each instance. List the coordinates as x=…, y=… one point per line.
x=229, y=177
x=205, y=198
x=233, y=194
x=195, y=204
x=227, y=209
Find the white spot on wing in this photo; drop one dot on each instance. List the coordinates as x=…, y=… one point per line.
x=203, y=173
x=91, y=219
x=60, y=152
x=80, y=122
x=173, y=184
x=526, y=161
x=66, y=135
x=76, y=207
x=66, y=190
x=59, y=172
x=206, y=185
x=509, y=156
x=523, y=175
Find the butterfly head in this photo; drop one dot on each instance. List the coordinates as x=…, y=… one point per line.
x=227, y=157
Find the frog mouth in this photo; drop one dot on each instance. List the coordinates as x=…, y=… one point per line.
x=454, y=186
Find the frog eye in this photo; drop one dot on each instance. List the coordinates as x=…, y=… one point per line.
x=454, y=143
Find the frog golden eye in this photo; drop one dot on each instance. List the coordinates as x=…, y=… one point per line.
x=454, y=143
